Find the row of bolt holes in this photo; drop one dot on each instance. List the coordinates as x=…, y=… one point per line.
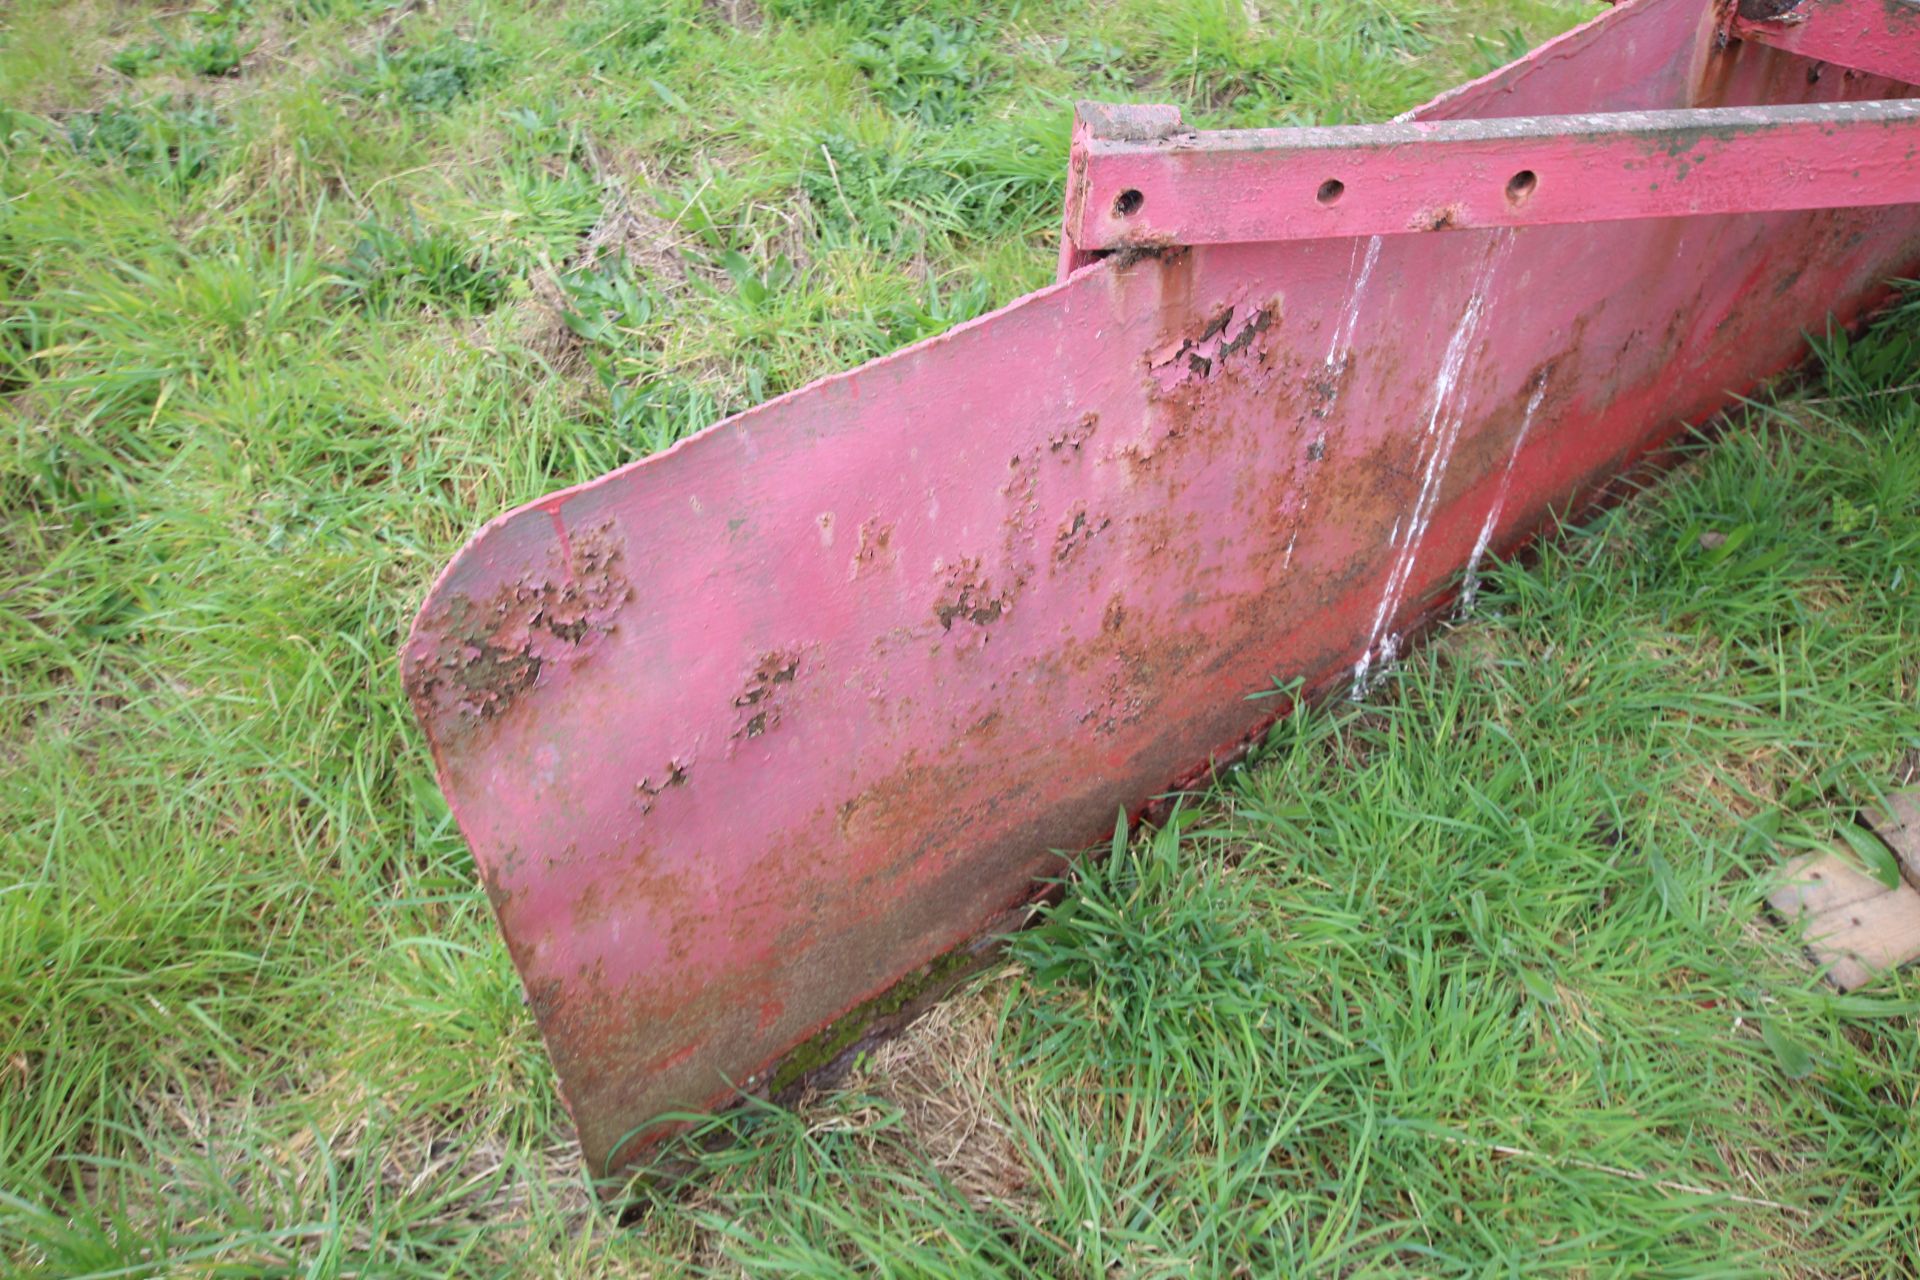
x=1519, y=187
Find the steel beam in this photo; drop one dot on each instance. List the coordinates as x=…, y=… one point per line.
x=1259, y=185
x=1879, y=37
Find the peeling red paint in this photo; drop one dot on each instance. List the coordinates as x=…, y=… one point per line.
x=487, y=652
x=1207, y=355
x=968, y=596
x=1067, y=441
x=875, y=550
x=1075, y=532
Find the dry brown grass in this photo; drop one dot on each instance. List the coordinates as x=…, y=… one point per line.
x=945, y=1074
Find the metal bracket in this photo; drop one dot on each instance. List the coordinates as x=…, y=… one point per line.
x=1138, y=187
x=1878, y=37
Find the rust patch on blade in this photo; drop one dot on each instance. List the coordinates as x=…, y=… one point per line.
x=1444, y=218
x=1208, y=353
x=648, y=789
x=759, y=697
x=968, y=596
x=1075, y=532
x=483, y=654
x=875, y=549
x=1067, y=441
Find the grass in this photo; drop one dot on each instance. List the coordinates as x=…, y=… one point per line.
x=1469, y=980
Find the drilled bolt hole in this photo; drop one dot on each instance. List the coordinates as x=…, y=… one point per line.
x=1521, y=185
x=1330, y=191
x=1128, y=203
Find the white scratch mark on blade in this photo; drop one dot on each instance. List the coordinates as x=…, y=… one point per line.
x=1339, y=351
x=1470, y=582
x=1443, y=431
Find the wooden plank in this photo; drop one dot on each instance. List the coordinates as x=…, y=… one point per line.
x=1861, y=939
x=1896, y=820
x=1819, y=882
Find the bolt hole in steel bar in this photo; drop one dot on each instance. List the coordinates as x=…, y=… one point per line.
x=1190, y=187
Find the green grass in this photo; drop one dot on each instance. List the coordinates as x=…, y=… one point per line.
x=1469, y=980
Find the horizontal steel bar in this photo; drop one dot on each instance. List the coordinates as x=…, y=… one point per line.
x=1879, y=37
x=1240, y=185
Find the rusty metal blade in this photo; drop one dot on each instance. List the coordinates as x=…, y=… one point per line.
x=744, y=733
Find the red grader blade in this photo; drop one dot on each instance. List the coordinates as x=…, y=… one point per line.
x=749, y=733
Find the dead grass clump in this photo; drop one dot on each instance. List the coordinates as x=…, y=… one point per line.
x=649, y=245
x=741, y=15
x=944, y=1073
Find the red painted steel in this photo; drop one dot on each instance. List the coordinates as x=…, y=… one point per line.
x=1878, y=37
x=743, y=733
x=1299, y=184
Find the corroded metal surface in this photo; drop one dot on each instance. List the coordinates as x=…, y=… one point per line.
x=744, y=733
